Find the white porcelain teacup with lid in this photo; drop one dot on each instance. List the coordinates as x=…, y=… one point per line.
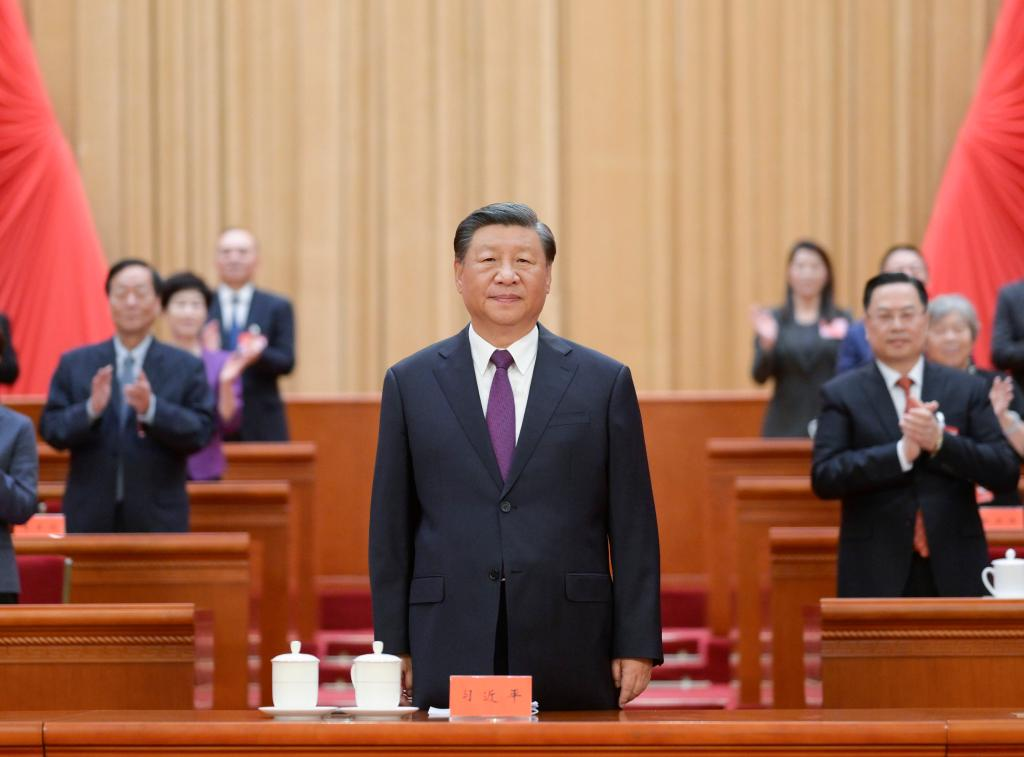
x=1005, y=577
x=377, y=679
x=295, y=679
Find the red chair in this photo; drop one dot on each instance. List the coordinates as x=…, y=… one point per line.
x=45, y=579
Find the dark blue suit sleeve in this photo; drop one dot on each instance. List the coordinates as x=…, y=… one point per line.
x=393, y=511
x=188, y=426
x=9, y=361
x=65, y=422
x=1007, y=345
x=632, y=529
x=18, y=499
x=278, y=358
x=849, y=353
x=838, y=470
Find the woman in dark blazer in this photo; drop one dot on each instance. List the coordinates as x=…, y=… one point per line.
x=952, y=332
x=796, y=344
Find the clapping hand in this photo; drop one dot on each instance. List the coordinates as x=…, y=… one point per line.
x=138, y=395
x=102, y=381
x=1001, y=394
x=765, y=326
x=920, y=427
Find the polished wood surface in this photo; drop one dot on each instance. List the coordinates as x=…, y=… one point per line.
x=260, y=509
x=118, y=656
x=762, y=503
x=669, y=732
x=22, y=736
x=726, y=460
x=675, y=171
x=210, y=571
x=934, y=652
x=803, y=573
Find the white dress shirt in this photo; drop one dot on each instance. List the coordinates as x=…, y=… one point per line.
x=520, y=373
x=138, y=357
x=229, y=310
x=899, y=399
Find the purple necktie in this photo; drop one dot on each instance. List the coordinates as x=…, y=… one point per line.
x=501, y=412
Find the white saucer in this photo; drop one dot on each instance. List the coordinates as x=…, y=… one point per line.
x=378, y=713
x=286, y=713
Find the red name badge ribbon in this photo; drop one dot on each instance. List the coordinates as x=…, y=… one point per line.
x=490, y=696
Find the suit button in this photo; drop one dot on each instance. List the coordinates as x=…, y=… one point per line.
x=493, y=575
x=506, y=507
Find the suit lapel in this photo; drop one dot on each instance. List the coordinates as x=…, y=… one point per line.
x=257, y=305
x=933, y=384
x=552, y=373
x=456, y=376
x=880, y=400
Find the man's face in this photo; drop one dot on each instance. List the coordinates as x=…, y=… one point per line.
x=133, y=301
x=236, y=257
x=908, y=262
x=896, y=323
x=504, y=279
x=950, y=341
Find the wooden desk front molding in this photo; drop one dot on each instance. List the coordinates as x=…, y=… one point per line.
x=922, y=652
x=728, y=459
x=839, y=733
x=260, y=509
x=292, y=462
x=124, y=656
x=210, y=571
x=804, y=573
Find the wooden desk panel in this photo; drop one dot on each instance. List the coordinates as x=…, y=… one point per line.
x=211, y=571
x=728, y=459
x=20, y=737
x=762, y=503
x=922, y=652
x=803, y=573
x=612, y=733
x=130, y=656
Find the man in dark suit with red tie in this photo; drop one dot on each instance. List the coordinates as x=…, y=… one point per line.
x=511, y=466
x=902, y=443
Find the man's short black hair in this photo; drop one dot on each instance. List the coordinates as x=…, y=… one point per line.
x=893, y=278
x=185, y=281
x=503, y=214
x=120, y=265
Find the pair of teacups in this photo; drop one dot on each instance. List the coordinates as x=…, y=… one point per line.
x=377, y=679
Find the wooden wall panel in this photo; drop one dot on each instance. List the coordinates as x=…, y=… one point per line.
x=676, y=147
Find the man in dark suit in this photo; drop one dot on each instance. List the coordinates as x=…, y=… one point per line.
x=509, y=462
x=9, y=362
x=1008, y=331
x=902, y=442
x=242, y=309
x=131, y=410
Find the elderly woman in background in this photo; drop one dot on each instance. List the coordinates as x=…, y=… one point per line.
x=952, y=331
x=186, y=300
x=796, y=344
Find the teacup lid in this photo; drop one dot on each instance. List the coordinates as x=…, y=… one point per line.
x=1011, y=556
x=378, y=655
x=295, y=655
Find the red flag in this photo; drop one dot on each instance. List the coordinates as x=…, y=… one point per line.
x=52, y=267
x=975, y=238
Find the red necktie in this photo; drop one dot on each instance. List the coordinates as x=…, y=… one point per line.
x=920, y=536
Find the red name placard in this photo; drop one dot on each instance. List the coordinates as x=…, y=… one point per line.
x=490, y=696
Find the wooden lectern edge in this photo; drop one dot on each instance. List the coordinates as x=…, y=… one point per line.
x=138, y=613
x=112, y=544
x=900, y=611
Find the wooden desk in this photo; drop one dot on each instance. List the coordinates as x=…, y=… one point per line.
x=126, y=656
x=934, y=652
x=803, y=573
x=211, y=571
x=760, y=504
x=293, y=462
x=21, y=737
x=260, y=509
x=727, y=459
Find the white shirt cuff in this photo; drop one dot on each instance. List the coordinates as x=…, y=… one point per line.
x=148, y=417
x=905, y=464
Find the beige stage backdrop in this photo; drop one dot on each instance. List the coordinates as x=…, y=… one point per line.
x=676, y=148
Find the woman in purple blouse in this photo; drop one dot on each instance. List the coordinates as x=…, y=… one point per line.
x=186, y=300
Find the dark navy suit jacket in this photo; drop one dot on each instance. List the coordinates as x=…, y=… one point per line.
x=153, y=457
x=854, y=350
x=263, y=419
x=19, y=475
x=855, y=461
x=444, y=527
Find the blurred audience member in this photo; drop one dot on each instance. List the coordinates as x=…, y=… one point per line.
x=1008, y=331
x=131, y=410
x=186, y=300
x=19, y=474
x=242, y=312
x=8, y=357
x=796, y=344
x=902, y=258
x=952, y=331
